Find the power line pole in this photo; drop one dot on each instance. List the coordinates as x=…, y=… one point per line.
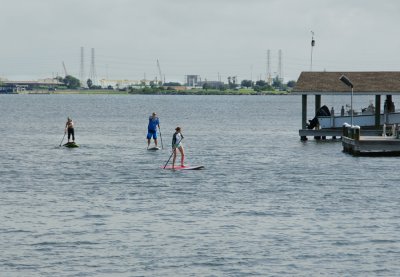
x=269, y=66
x=92, y=74
x=280, y=77
x=82, y=68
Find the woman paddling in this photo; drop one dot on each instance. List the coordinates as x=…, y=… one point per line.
x=177, y=144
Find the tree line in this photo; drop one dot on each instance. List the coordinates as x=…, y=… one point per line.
x=73, y=83
x=262, y=85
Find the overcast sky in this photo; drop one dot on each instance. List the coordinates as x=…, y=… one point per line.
x=209, y=38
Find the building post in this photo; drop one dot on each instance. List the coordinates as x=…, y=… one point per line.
x=317, y=103
x=303, y=114
x=377, y=111
x=317, y=107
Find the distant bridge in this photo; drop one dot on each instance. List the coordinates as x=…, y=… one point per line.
x=15, y=86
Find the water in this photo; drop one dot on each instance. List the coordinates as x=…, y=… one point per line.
x=266, y=204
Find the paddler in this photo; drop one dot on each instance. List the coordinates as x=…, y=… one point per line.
x=177, y=144
x=154, y=121
x=69, y=127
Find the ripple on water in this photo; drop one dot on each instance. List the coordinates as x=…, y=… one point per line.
x=265, y=204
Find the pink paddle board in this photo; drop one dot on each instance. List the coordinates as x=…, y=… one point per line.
x=186, y=167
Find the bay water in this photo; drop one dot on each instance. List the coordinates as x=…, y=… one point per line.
x=266, y=203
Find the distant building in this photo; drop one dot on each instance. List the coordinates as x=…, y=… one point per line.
x=15, y=86
x=192, y=80
x=211, y=84
x=120, y=84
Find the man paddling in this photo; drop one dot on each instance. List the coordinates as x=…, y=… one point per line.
x=69, y=127
x=154, y=121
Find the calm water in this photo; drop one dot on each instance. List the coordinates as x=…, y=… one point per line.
x=266, y=204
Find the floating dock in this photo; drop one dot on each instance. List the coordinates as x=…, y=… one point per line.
x=388, y=144
x=335, y=133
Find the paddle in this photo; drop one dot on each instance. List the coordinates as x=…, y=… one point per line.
x=159, y=128
x=62, y=139
x=172, y=154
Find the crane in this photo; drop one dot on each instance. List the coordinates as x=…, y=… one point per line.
x=159, y=72
x=65, y=69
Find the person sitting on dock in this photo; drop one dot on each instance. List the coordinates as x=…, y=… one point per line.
x=323, y=111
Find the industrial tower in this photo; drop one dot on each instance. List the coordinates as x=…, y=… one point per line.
x=92, y=74
x=82, y=68
x=269, y=78
x=280, y=74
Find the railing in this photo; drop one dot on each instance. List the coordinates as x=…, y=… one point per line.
x=359, y=120
x=354, y=132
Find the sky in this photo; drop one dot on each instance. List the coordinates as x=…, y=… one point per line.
x=214, y=39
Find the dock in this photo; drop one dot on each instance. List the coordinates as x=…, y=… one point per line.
x=334, y=133
x=354, y=143
x=325, y=123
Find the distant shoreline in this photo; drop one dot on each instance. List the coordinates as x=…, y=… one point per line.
x=161, y=92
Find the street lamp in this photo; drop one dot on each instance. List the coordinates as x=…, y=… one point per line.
x=346, y=80
x=312, y=46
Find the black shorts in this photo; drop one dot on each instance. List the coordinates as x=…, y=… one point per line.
x=71, y=132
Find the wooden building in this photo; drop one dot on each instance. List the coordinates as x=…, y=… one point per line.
x=318, y=84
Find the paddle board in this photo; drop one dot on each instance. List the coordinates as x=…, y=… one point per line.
x=154, y=148
x=186, y=167
x=71, y=144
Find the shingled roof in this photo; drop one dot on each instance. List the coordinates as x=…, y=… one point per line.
x=377, y=83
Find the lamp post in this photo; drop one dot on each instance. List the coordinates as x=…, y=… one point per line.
x=346, y=80
x=312, y=46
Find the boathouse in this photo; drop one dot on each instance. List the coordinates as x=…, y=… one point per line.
x=319, y=84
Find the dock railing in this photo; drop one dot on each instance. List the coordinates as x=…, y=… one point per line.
x=360, y=120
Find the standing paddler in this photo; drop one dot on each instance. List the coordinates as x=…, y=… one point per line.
x=154, y=122
x=177, y=144
x=69, y=128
